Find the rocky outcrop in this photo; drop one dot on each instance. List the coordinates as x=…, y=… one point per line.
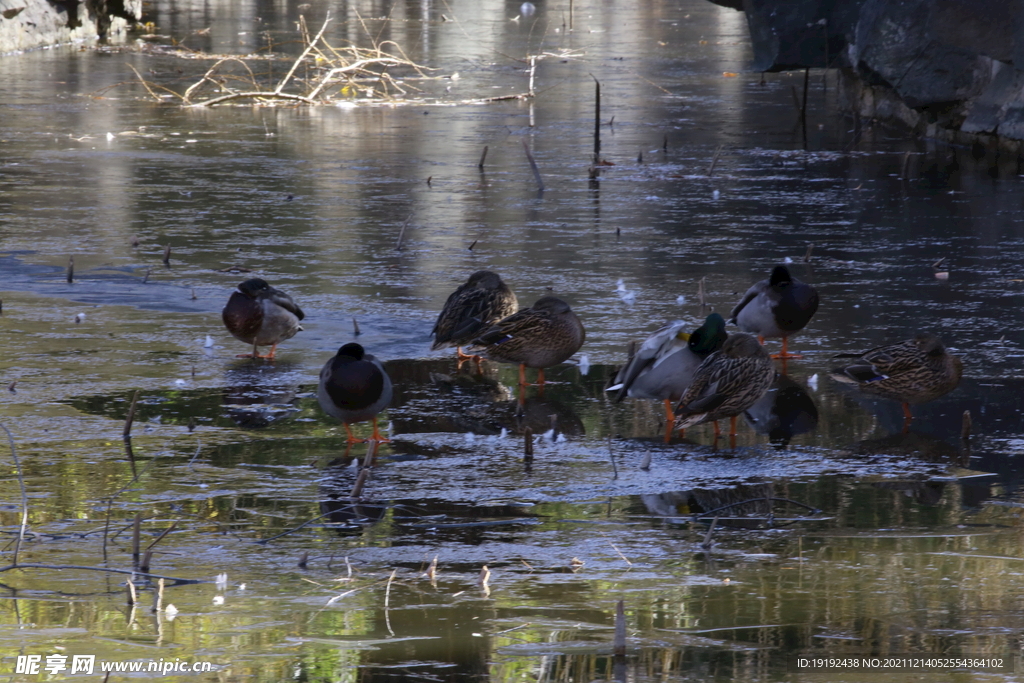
x=949, y=68
x=25, y=24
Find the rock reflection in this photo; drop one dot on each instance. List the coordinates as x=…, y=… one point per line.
x=785, y=411
x=258, y=394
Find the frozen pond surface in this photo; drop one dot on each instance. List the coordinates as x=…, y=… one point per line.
x=902, y=543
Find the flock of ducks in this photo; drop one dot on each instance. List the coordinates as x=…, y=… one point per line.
x=701, y=376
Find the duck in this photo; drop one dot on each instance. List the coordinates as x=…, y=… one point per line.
x=913, y=371
x=483, y=299
x=354, y=387
x=780, y=306
x=728, y=382
x=545, y=334
x=666, y=362
x=261, y=315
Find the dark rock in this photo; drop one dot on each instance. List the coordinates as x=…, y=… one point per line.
x=943, y=67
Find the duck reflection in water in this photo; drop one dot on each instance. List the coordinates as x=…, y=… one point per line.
x=540, y=415
x=782, y=413
x=258, y=395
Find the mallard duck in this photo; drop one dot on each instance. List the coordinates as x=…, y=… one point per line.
x=664, y=365
x=913, y=371
x=354, y=387
x=780, y=306
x=482, y=300
x=728, y=382
x=261, y=315
x=538, y=337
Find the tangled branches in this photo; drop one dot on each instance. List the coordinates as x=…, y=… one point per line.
x=325, y=70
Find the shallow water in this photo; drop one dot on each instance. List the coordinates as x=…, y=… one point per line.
x=903, y=542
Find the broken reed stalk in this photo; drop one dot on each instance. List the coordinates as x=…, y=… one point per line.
x=533, y=165
x=485, y=577
x=483, y=157
x=706, y=543
x=807, y=254
x=60, y=567
x=620, y=629
x=167, y=256
x=714, y=161
x=645, y=463
x=24, y=494
x=309, y=48
x=159, y=538
x=803, y=107
x=611, y=456
x=131, y=418
x=700, y=291
x=132, y=597
x=71, y=269
x=304, y=560
x=965, y=426
x=357, y=487
x=533, y=71
x=147, y=557
x=158, y=603
x=597, y=121
x=387, y=601
x=528, y=445
x=355, y=328
x=796, y=102
x=136, y=531
x=130, y=453
x=906, y=166
x=401, y=234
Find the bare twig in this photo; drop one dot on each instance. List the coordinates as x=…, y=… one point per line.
x=620, y=629
x=35, y=565
x=131, y=417
x=401, y=233
x=533, y=165
x=309, y=46
x=24, y=494
x=714, y=161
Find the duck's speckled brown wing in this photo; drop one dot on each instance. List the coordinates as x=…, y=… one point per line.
x=723, y=387
x=467, y=311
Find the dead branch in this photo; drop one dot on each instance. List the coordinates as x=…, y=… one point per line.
x=24, y=493
x=177, y=580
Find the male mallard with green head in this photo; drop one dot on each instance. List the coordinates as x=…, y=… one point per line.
x=543, y=335
x=354, y=387
x=914, y=371
x=728, y=382
x=483, y=299
x=665, y=364
x=261, y=315
x=780, y=306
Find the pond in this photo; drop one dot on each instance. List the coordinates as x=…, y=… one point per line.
x=841, y=534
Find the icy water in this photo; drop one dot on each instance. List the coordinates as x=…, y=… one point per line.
x=860, y=539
